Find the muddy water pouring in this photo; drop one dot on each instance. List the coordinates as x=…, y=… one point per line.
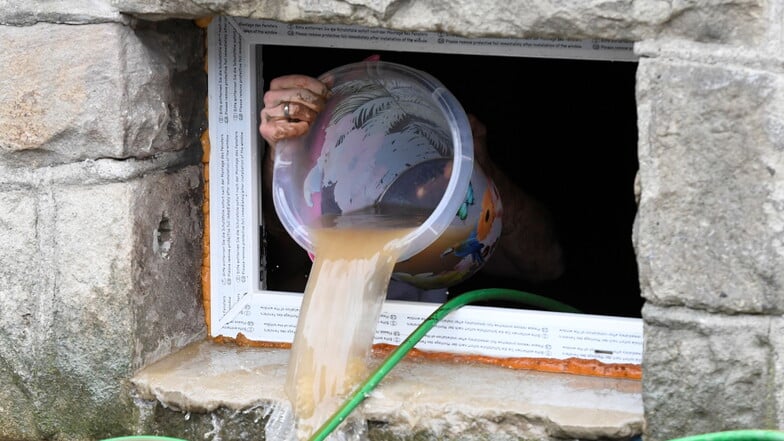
x=383, y=185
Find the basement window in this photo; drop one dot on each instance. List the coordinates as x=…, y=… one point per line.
x=561, y=122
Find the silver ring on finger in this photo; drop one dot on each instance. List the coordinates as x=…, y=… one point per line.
x=286, y=113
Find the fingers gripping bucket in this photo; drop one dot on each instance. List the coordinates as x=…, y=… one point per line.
x=389, y=135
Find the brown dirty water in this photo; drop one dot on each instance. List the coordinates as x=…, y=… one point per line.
x=339, y=313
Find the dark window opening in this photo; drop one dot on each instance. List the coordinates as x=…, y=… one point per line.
x=564, y=130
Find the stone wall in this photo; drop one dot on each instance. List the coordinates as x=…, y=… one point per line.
x=100, y=217
x=100, y=214
x=710, y=235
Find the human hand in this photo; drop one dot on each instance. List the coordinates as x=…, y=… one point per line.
x=290, y=106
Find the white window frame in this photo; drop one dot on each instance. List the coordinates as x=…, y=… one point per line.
x=239, y=305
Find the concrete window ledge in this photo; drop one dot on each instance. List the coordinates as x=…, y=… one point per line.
x=226, y=385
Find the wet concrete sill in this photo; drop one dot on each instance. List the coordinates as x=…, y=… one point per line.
x=417, y=400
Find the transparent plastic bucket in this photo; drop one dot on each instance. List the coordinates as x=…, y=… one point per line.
x=390, y=135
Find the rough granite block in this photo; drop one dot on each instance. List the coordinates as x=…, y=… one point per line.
x=134, y=93
x=99, y=279
x=777, y=386
x=21, y=271
x=708, y=372
x=709, y=232
x=740, y=22
x=22, y=13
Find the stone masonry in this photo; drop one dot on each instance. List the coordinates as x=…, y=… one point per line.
x=100, y=189
x=101, y=107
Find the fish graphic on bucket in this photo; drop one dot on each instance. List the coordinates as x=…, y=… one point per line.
x=392, y=142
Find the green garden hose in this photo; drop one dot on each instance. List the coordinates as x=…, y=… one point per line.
x=737, y=435
x=394, y=358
